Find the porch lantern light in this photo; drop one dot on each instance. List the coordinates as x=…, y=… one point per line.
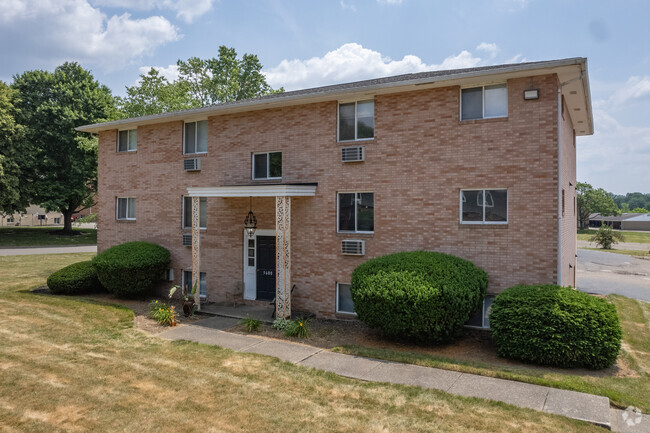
x=250, y=223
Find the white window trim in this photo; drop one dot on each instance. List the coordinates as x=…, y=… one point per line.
x=460, y=106
x=460, y=200
x=183, y=226
x=196, y=137
x=268, y=165
x=338, y=121
x=117, y=209
x=339, y=311
x=128, y=138
x=189, y=285
x=355, y=212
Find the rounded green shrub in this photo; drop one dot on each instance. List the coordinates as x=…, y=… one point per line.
x=557, y=326
x=131, y=269
x=420, y=295
x=75, y=279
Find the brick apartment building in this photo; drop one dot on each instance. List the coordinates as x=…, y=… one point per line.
x=479, y=163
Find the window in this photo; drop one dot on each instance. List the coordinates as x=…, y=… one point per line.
x=356, y=212
x=10, y=219
x=484, y=102
x=125, y=209
x=251, y=252
x=196, y=137
x=267, y=165
x=481, y=317
x=356, y=120
x=187, y=212
x=344, y=302
x=127, y=141
x=57, y=220
x=187, y=283
x=484, y=206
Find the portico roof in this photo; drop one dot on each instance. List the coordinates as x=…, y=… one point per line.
x=265, y=190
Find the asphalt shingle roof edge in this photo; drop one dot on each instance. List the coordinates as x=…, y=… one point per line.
x=340, y=89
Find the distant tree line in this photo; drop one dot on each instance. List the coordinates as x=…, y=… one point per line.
x=635, y=202
x=45, y=161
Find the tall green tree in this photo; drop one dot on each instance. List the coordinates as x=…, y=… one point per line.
x=14, y=191
x=63, y=173
x=200, y=82
x=591, y=200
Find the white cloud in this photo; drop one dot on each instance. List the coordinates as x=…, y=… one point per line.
x=348, y=6
x=186, y=10
x=390, y=2
x=518, y=58
x=490, y=48
x=170, y=72
x=352, y=62
x=635, y=88
x=52, y=31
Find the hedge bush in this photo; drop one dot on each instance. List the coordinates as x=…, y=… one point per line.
x=557, y=326
x=420, y=295
x=131, y=269
x=75, y=279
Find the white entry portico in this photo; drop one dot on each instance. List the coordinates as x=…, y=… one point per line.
x=283, y=194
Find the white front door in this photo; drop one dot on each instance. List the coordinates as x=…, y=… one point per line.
x=250, y=262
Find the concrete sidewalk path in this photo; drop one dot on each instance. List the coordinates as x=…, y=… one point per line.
x=25, y=251
x=587, y=407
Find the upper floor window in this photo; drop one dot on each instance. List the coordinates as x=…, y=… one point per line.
x=127, y=141
x=484, y=102
x=196, y=137
x=356, y=212
x=357, y=120
x=484, y=206
x=267, y=165
x=125, y=209
x=187, y=212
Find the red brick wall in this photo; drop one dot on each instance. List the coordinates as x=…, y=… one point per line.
x=420, y=158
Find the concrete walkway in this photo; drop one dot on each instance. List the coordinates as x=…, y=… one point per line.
x=25, y=251
x=591, y=408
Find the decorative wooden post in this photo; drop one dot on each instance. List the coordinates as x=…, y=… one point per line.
x=196, y=250
x=283, y=257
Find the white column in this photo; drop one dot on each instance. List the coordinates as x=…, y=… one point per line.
x=196, y=250
x=283, y=257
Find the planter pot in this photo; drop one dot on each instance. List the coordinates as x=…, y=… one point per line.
x=188, y=307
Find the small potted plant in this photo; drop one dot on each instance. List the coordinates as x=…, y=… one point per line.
x=188, y=301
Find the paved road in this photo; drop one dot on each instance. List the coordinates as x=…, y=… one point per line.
x=47, y=250
x=605, y=273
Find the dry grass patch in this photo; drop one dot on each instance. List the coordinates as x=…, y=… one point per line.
x=81, y=366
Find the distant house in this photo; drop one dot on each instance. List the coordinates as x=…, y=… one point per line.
x=469, y=162
x=626, y=221
x=32, y=217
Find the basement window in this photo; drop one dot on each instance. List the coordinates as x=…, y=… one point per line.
x=481, y=317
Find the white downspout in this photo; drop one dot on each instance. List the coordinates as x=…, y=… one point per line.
x=559, y=185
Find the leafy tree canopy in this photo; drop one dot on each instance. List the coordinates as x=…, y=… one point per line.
x=632, y=201
x=13, y=194
x=201, y=82
x=591, y=200
x=63, y=170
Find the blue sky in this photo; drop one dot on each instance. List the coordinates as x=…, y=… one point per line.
x=310, y=43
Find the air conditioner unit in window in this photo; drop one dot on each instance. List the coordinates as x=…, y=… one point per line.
x=353, y=247
x=192, y=164
x=353, y=154
x=187, y=240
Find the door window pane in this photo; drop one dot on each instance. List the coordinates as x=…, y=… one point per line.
x=496, y=101
x=472, y=103
x=122, y=141
x=346, y=212
x=496, y=205
x=202, y=136
x=259, y=166
x=365, y=119
x=346, y=121
x=365, y=212
x=275, y=164
x=190, y=137
x=345, y=304
x=133, y=139
x=472, y=203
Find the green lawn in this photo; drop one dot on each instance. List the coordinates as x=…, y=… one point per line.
x=629, y=386
x=41, y=237
x=71, y=364
x=636, y=237
x=637, y=253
